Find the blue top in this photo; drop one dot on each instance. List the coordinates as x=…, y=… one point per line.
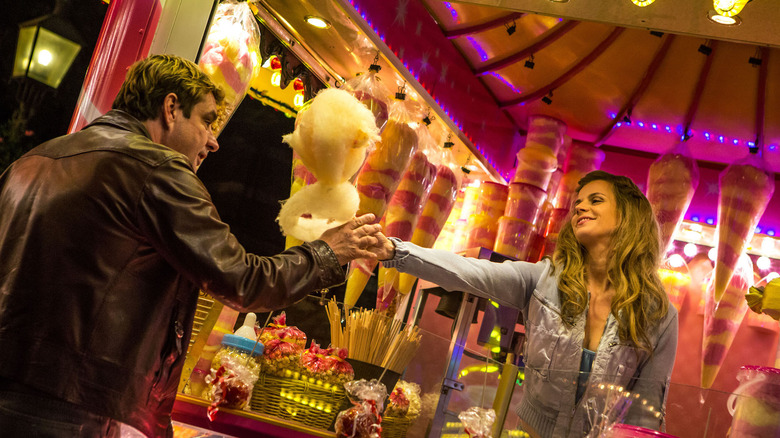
x=586, y=364
x=243, y=344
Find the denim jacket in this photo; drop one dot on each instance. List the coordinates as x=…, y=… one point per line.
x=553, y=349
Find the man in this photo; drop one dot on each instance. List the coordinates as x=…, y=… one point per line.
x=106, y=235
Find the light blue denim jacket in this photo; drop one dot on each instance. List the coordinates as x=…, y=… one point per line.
x=553, y=349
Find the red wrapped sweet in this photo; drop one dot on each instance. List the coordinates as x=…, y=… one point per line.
x=280, y=355
x=279, y=329
x=327, y=364
x=363, y=420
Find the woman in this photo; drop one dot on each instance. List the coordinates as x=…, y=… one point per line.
x=596, y=312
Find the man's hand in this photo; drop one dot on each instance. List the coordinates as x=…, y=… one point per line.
x=354, y=239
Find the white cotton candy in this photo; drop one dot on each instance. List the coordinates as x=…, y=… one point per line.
x=332, y=136
x=328, y=206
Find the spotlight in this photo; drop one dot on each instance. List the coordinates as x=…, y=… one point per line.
x=754, y=61
x=705, y=49
x=548, y=99
x=627, y=119
x=529, y=63
x=511, y=28
x=656, y=33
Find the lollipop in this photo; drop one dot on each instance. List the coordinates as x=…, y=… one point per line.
x=331, y=137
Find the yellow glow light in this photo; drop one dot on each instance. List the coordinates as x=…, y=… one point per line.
x=318, y=22
x=44, y=57
x=728, y=8
x=642, y=3
x=276, y=79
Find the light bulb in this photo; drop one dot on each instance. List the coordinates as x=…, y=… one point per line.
x=712, y=253
x=676, y=261
x=763, y=263
x=44, y=57
x=690, y=249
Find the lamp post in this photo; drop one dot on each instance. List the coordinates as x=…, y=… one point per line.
x=45, y=51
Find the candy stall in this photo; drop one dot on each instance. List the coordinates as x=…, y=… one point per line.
x=466, y=126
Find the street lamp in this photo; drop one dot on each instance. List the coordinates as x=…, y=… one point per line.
x=46, y=49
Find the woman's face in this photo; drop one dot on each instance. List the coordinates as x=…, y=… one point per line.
x=595, y=215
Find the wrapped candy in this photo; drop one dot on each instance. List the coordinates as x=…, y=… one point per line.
x=331, y=137
x=328, y=365
x=231, y=54
x=234, y=372
x=379, y=178
x=765, y=299
x=371, y=92
x=478, y=422
x=405, y=400
x=483, y=224
x=278, y=329
x=283, y=346
x=745, y=191
x=722, y=319
x=514, y=237
x=363, y=419
x=671, y=182
x=525, y=202
x=401, y=217
x=755, y=404
x=538, y=160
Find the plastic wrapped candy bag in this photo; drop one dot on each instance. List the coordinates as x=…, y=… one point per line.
x=328, y=365
x=279, y=329
x=233, y=376
x=722, y=319
x=363, y=419
x=371, y=92
x=405, y=400
x=478, y=422
x=746, y=187
x=332, y=137
x=380, y=176
x=231, y=54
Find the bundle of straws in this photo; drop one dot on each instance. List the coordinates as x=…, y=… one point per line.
x=371, y=337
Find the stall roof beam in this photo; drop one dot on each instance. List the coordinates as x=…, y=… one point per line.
x=584, y=62
x=500, y=21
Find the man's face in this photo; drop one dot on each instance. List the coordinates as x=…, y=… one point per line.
x=193, y=136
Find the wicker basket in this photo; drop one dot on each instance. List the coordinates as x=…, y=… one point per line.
x=396, y=427
x=298, y=399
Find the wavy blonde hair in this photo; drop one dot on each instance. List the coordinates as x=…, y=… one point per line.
x=640, y=300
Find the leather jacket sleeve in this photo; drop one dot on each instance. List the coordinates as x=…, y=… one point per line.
x=176, y=213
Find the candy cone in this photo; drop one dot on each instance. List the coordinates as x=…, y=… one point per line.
x=671, y=182
x=378, y=180
x=745, y=191
x=722, y=319
x=437, y=210
x=401, y=217
x=676, y=285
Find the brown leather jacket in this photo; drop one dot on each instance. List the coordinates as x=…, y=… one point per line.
x=105, y=239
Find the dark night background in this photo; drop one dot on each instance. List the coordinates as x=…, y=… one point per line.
x=247, y=178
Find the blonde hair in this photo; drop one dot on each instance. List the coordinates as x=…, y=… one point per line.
x=640, y=300
x=148, y=82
